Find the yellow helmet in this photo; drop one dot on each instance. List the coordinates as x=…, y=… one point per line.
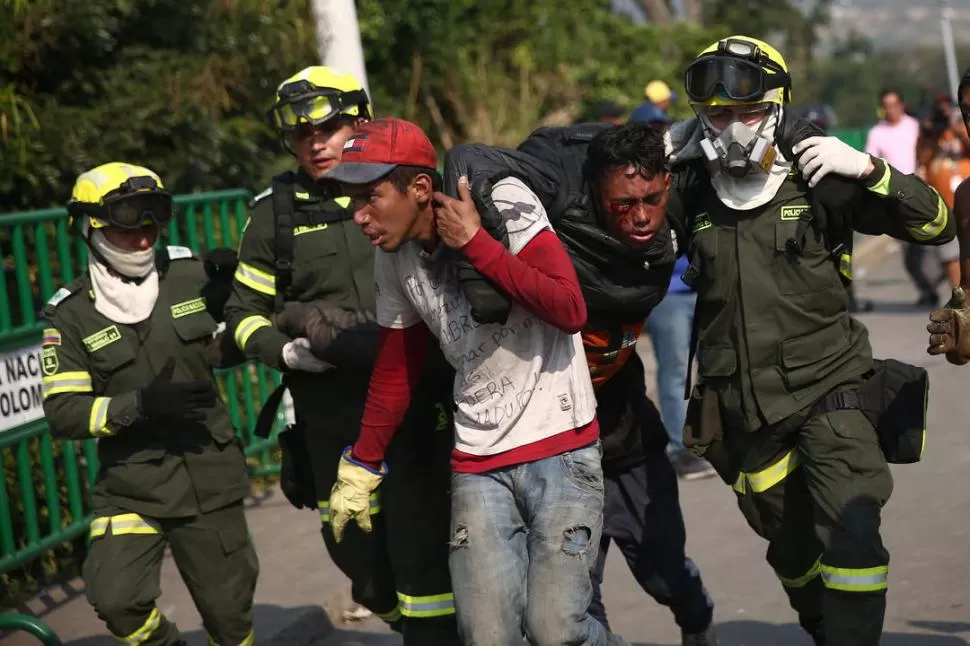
x=738, y=70
x=121, y=195
x=315, y=95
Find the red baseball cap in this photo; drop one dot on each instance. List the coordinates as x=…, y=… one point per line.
x=378, y=147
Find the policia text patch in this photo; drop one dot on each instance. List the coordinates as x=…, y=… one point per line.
x=188, y=307
x=101, y=338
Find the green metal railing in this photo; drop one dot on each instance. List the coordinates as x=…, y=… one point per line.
x=855, y=138
x=45, y=485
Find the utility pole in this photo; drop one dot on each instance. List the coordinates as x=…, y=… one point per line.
x=338, y=37
x=949, y=50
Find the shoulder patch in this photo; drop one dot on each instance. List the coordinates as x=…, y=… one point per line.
x=60, y=296
x=50, y=336
x=179, y=253
x=263, y=195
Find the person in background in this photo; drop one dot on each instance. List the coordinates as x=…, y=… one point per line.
x=608, y=112
x=894, y=139
x=943, y=153
x=655, y=109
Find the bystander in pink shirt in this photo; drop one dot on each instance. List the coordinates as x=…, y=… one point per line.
x=895, y=142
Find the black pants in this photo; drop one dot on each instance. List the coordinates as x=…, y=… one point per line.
x=641, y=514
x=400, y=570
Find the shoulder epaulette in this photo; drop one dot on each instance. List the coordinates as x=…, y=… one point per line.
x=176, y=252
x=62, y=295
x=262, y=196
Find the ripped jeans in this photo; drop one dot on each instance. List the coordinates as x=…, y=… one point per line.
x=524, y=540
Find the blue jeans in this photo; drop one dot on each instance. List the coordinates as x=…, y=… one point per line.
x=524, y=540
x=669, y=328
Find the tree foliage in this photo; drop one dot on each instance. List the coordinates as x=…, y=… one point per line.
x=183, y=85
x=179, y=85
x=492, y=71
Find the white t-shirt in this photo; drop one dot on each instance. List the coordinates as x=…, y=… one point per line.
x=516, y=383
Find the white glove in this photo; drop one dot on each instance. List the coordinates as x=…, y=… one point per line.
x=824, y=155
x=297, y=356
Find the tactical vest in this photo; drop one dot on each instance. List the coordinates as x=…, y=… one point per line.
x=772, y=324
x=288, y=219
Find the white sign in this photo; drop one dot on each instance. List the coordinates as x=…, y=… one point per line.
x=21, y=397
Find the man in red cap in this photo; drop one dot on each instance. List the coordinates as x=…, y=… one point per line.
x=527, y=485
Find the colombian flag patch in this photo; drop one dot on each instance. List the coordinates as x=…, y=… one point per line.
x=50, y=337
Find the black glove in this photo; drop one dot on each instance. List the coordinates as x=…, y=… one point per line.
x=165, y=400
x=220, y=266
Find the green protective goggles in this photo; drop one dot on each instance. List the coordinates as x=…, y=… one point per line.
x=302, y=103
x=136, y=204
x=738, y=70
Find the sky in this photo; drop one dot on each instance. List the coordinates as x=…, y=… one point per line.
x=890, y=24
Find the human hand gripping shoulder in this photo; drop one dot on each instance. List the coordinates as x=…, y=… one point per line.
x=535, y=271
x=819, y=156
x=457, y=221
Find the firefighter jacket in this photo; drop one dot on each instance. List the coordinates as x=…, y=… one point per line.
x=331, y=260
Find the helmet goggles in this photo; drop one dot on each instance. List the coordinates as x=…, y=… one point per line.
x=300, y=103
x=136, y=203
x=738, y=69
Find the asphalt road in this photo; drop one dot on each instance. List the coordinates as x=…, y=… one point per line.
x=926, y=527
x=926, y=523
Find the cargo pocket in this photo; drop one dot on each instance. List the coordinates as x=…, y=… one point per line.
x=715, y=363
x=195, y=326
x=110, y=359
x=802, y=273
x=802, y=356
x=233, y=533
x=241, y=564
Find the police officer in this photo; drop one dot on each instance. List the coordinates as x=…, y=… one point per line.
x=123, y=362
x=301, y=245
x=780, y=358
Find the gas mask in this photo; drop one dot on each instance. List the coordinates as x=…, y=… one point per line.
x=739, y=149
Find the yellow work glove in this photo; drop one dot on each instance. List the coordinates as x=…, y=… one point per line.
x=949, y=329
x=350, y=496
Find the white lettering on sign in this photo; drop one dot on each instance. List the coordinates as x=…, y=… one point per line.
x=21, y=398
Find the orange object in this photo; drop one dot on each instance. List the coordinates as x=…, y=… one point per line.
x=607, y=349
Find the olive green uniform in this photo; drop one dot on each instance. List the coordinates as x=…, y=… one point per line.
x=401, y=569
x=774, y=337
x=180, y=485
